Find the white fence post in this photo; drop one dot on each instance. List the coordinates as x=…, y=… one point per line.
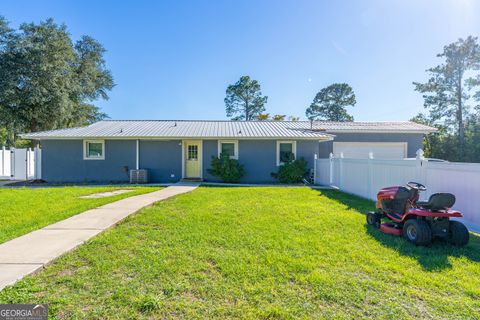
x=28, y=163
x=369, y=174
x=3, y=161
x=38, y=163
x=315, y=157
x=331, y=168
x=340, y=165
x=12, y=162
x=420, y=170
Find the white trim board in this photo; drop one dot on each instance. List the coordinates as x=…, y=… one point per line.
x=85, y=157
x=235, y=152
x=277, y=151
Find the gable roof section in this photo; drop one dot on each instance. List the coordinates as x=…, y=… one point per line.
x=169, y=129
x=387, y=126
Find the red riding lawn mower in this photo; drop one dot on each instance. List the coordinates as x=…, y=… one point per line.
x=418, y=221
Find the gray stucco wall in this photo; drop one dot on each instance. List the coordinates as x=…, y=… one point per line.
x=414, y=141
x=258, y=158
x=62, y=161
x=162, y=159
x=210, y=148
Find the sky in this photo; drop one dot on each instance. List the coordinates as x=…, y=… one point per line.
x=175, y=59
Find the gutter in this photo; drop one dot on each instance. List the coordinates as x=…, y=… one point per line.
x=326, y=137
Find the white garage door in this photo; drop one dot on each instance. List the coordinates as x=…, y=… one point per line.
x=381, y=150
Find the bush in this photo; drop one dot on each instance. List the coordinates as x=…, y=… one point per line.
x=292, y=171
x=228, y=170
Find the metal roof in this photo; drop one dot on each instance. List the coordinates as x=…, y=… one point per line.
x=385, y=126
x=318, y=130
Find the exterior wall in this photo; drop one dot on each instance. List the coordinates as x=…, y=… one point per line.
x=62, y=161
x=162, y=159
x=414, y=141
x=210, y=148
x=259, y=158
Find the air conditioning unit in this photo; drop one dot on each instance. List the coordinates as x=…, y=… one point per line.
x=139, y=176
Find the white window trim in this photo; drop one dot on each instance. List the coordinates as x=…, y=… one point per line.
x=294, y=150
x=235, y=148
x=85, y=150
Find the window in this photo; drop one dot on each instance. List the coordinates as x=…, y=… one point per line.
x=285, y=149
x=94, y=150
x=192, y=153
x=228, y=147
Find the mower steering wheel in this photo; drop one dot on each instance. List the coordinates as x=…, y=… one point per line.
x=416, y=185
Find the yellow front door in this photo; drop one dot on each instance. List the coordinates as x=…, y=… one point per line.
x=193, y=155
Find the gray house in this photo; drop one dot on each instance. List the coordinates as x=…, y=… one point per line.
x=173, y=150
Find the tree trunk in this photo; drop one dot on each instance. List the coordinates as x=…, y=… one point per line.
x=33, y=125
x=461, y=125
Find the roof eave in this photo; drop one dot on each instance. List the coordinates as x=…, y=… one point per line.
x=383, y=131
x=326, y=137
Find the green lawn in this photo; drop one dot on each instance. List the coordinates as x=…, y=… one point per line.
x=256, y=253
x=23, y=210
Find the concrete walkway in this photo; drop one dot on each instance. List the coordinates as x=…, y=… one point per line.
x=26, y=254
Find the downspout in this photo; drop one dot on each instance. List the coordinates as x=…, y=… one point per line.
x=137, y=162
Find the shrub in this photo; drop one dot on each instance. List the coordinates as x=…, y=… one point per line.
x=292, y=171
x=228, y=170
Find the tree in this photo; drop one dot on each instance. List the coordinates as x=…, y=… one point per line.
x=8, y=77
x=330, y=103
x=433, y=142
x=279, y=117
x=244, y=99
x=472, y=139
x=275, y=117
x=263, y=117
x=47, y=81
x=3, y=137
x=447, y=92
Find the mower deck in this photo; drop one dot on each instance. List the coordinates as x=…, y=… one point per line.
x=389, y=228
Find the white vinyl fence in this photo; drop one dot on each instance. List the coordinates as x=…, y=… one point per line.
x=365, y=177
x=20, y=164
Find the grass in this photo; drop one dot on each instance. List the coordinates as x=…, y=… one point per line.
x=256, y=253
x=27, y=209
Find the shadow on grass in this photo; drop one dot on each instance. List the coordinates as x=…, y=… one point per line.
x=432, y=258
x=351, y=201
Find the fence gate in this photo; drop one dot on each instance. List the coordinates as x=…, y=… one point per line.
x=20, y=165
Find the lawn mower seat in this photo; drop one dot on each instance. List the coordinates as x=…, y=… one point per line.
x=438, y=201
